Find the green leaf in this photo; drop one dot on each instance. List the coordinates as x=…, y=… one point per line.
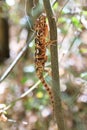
x=55, y=6
x=39, y=94
x=24, y=79
x=83, y=49
x=84, y=13
x=62, y=20
x=75, y=21
x=84, y=75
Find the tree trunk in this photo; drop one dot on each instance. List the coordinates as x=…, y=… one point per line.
x=4, y=39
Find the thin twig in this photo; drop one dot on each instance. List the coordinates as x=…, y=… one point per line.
x=59, y=14
x=55, y=67
x=16, y=59
x=64, y=6
x=23, y=95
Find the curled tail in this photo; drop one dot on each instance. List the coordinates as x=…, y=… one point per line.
x=48, y=89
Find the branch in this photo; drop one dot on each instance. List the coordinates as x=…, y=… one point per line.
x=63, y=7
x=28, y=6
x=16, y=59
x=55, y=67
x=23, y=95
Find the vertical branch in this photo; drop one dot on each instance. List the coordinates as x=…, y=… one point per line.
x=55, y=67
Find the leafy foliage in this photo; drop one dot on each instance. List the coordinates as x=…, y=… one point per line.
x=71, y=20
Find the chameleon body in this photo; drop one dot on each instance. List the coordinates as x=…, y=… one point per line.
x=41, y=29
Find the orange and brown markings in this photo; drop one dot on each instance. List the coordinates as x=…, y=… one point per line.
x=41, y=29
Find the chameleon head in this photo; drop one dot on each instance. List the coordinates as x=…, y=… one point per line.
x=42, y=17
x=40, y=22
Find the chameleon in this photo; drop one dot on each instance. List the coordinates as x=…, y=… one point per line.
x=41, y=29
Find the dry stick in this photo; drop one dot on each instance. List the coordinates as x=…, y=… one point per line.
x=55, y=67
x=64, y=6
x=22, y=95
x=16, y=60
x=31, y=36
x=59, y=14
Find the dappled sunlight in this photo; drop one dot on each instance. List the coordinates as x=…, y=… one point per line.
x=24, y=102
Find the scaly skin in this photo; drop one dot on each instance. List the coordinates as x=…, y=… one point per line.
x=41, y=29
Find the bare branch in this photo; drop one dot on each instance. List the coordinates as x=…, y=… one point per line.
x=55, y=67
x=16, y=59
x=64, y=5
x=23, y=95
